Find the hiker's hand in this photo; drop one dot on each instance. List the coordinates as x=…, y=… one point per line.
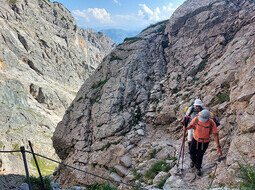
x=184, y=128
x=219, y=151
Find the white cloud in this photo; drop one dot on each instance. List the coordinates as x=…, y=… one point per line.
x=116, y=1
x=148, y=14
x=93, y=15
x=151, y=16
x=99, y=18
x=169, y=7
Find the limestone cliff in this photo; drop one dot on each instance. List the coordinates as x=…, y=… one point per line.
x=133, y=104
x=44, y=59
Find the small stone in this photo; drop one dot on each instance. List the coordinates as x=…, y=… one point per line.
x=24, y=186
x=115, y=176
x=140, y=132
x=189, y=177
x=122, y=171
x=126, y=161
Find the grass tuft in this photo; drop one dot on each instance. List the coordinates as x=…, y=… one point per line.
x=132, y=40
x=36, y=183
x=13, y=1
x=103, y=186
x=99, y=84
x=158, y=167
x=223, y=97
x=162, y=182
x=247, y=173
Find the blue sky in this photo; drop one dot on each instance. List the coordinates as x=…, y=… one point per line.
x=120, y=14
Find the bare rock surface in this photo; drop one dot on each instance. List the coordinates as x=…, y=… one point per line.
x=135, y=100
x=44, y=59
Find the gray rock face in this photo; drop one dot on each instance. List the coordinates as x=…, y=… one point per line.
x=44, y=59
x=205, y=50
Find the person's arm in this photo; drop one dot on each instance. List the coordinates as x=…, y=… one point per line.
x=191, y=125
x=216, y=139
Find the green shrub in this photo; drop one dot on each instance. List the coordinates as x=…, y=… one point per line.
x=222, y=97
x=184, y=97
x=162, y=182
x=13, y=1
x=96, y=99
x=177, y=108
x=132, y=40
x=173, y=158
x=37, y=185
x=137, y=175
x=103, y=186
x=247, y=173
x=63, y=18
x=79, y=99
x=115, y=58
x=112, y=170
x=99, y=84
x=153, y=154
x=246, y=58
x=156, y=168
x=175, y=90
x=202, y=64
x=16, y=147
x=106, y=146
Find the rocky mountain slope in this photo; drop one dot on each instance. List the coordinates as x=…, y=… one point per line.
x=44, y=59
x=131, y=107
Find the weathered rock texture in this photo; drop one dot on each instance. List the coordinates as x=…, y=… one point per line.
x=134, y=102
x=44, y=59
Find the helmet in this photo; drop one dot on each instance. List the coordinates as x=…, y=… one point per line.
x=198, y=102
x=204, y=115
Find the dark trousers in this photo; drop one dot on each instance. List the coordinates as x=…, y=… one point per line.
x=197, y=153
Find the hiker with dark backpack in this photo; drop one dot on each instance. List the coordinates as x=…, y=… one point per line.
x=203, y=126
x=192, y=112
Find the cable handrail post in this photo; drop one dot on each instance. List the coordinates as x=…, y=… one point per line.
x=37, y=166
x=23, y=152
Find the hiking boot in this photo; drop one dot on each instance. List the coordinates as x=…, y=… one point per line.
x=192, y=164
x=199, y=173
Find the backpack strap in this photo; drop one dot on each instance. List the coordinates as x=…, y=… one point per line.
x=191, y=111
x=211, y=127
x=196, y=122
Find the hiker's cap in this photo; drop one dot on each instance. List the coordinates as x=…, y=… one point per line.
x=198, y=102
x=204, y=116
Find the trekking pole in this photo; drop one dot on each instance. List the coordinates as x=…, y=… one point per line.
x=180, y=154
x=183, y=147
x=185, y=123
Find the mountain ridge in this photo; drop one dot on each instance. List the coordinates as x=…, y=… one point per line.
x=133, y=104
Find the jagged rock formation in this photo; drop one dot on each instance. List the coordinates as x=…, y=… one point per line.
x=44, y=59
x=134, y=102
